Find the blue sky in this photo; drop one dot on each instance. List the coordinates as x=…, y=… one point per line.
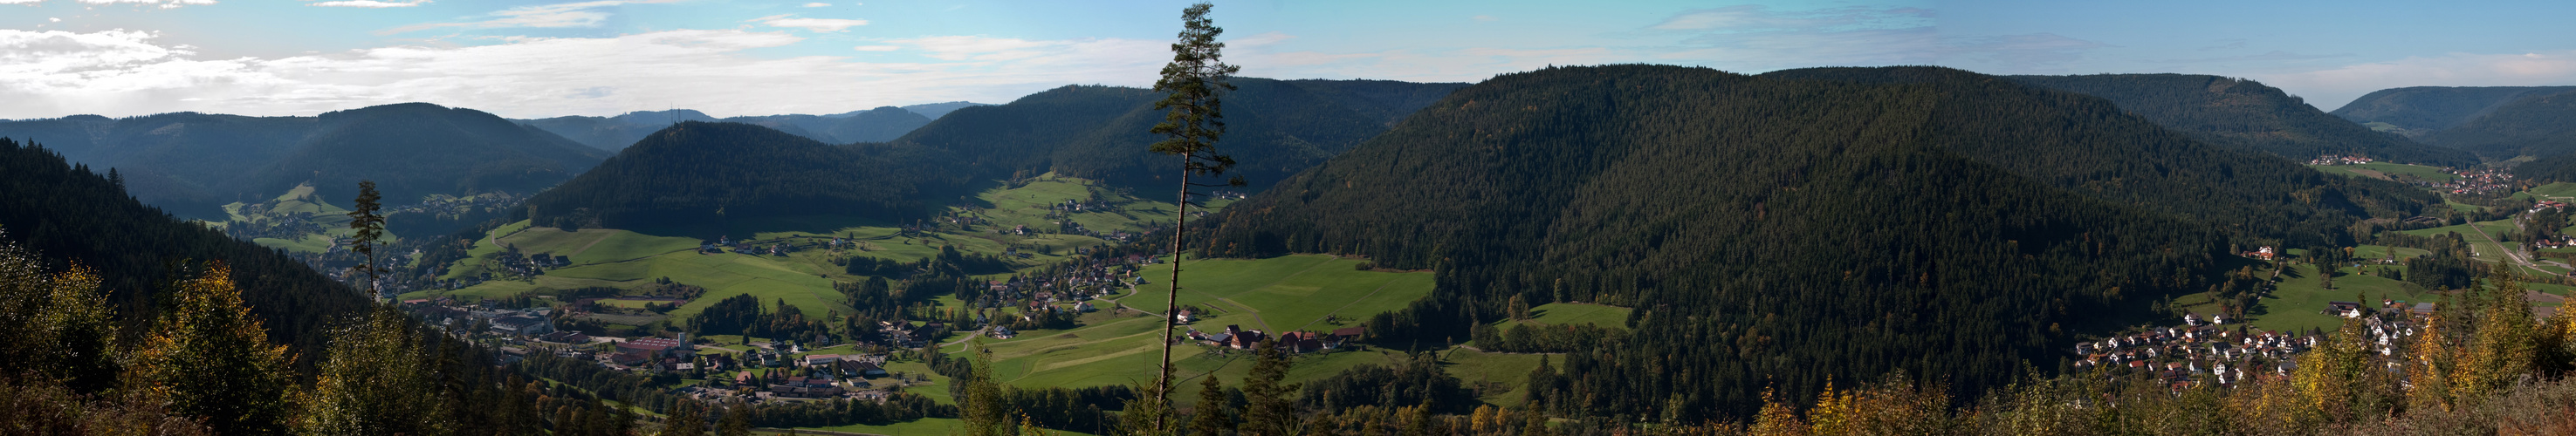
x=602, y=57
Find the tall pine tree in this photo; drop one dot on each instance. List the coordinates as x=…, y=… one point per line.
x=1194, y=77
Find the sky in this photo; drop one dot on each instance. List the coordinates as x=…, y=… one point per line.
x=534, y=59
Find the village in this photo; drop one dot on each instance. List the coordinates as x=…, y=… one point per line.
x=2208, y=350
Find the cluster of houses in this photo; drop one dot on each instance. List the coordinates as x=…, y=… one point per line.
x=2206, y=351
x=529, y=322
x=2185, y=354
x=2339, y=160
x=906, y=334
x=816, y=376
x=1074, y=285
x=2266, y=253
x=1235, y=337
x=2479, y=181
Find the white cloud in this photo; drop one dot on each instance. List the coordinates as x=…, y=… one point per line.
x=581, y=14
x=2342, y=84
x=55, y=73
x=818, y=5
x=810, y=24
x=20, y=2
x=877, y=48
x=165, y=4
x=367, y=4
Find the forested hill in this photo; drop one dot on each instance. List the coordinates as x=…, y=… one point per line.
x=1773, y=232
x=2247, y=115
x=2537, y=124
x=694, y=178
x=182, y=161
x=415, y=149
x=69, y=214
x=1276, y=128
x=2422, y=110
x=191, y=163
x=936, y=110
x=615, y=133
x=2090, y=146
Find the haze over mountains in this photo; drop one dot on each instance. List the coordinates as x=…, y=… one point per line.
x=189, y=162
x=2247, y=115
x=873, y=125
x=2499, y=123
x=1274, y=127
x=697, y=177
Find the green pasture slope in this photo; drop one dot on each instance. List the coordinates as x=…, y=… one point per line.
x=1281, y=293
x=296, y=204
x=2386, y=170
x=628, y=259
x=2560, y=191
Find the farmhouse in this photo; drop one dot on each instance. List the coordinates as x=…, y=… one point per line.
x=523, y=325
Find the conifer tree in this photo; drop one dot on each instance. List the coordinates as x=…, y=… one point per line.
x=982, y=409
x=685, y=419
x=1195, y=121
x=737, y=421
x=370, y=227
x=1212, y=416
x=1270, y=412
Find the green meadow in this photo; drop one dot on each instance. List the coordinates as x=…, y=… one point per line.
x=629, y=259
x=2384, y=170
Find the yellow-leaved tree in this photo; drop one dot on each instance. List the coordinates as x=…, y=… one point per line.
x=2505, y=344
x=207, y=357
x=375, y=381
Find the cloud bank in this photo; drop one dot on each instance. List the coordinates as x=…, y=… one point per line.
x=56, y=73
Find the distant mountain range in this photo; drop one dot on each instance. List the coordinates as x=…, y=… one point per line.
x=1274, y=127
x=873, y=125
x=2496, y=122
x=190, y=163
x=2247, y=115
x=1816, y=220
x=703, y=178
x=699, y=176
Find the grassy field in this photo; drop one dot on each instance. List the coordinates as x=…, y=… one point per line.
x=1495, y=369
x=297, y=207
x=2385, y=169
x=2487, y=250
x=1579, y=313
x=629, y=259
x=2560, y=190
x=1283, y=293
x=921, y=427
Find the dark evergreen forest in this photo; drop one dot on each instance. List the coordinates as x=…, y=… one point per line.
x=2247, y=115
x=1774, y=231
x=74, y=215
